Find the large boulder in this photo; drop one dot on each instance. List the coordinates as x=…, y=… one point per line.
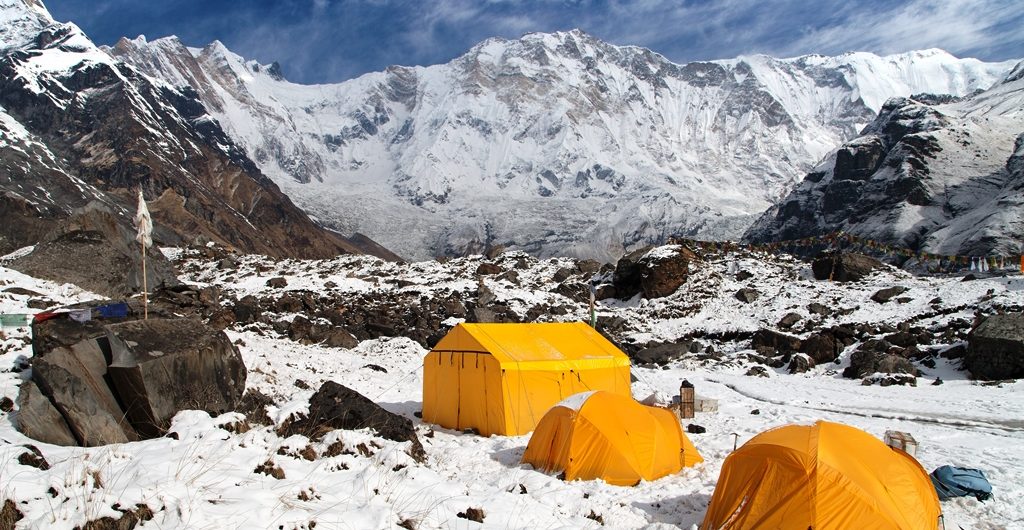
x=843, y=266
x=38, y=419
x=335, y=406
x=775, y=341
x=74, y=378
x=655, y=272
x=865, y=362
x=995, y=349
x=162, y=366
x=96, y=250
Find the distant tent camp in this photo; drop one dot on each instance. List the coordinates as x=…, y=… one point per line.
x=822, y=476
x=502, y=378
x=611, y=437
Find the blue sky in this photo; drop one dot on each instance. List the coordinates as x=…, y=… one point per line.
x=333, y=40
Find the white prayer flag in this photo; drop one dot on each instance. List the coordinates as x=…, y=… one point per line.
x=144, y=223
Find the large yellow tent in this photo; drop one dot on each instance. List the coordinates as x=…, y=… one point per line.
x=822, y=476
x=611, y=437
x=502, y=378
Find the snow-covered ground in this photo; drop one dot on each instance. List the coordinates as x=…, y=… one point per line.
x=206, y=478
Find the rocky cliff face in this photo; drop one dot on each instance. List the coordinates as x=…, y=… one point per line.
x=552, y=143
x=77, y=125
x=940, y=178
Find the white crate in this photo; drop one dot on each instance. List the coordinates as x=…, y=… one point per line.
x=901, y=440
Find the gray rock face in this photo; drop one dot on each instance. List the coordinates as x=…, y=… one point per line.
x=161, y=366
x=843, y=267
x=96, y=250
x=73, y=377
x=865, y=362
x=995, y=349
x=38, y=419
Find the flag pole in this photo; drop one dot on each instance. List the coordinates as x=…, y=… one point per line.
x=144, y=223
x=145, y=288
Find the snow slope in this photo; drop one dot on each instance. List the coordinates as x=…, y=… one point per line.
x=206, y=477
x=559, y=144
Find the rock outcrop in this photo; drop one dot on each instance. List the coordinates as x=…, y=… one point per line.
x=114, y=380
x=335, y=406
x=843, y=266
x=995, y=349
x=654, y=272
x=161, y=366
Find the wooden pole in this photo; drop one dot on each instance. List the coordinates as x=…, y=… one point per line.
x=145, y=294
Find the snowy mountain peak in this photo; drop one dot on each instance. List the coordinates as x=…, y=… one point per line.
x=21, y=21
x=558, y=143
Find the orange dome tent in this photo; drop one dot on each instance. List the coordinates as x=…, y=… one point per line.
x=612, y=437
x=822, y=476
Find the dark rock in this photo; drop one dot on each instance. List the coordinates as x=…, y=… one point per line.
x=254, y=405
x=969, y=278
x=655, y=273
x=605, y=291
x=693, y=428
x=562, y=274
x=494, y=252
x=779, y=342
x=39, y=303
x=789, y=319
x=843, y=267
x=222, y=319
x=300, y=329
x=247, y=310
x=743, y=276
x=884, y=295
x=74, y=377
x=661, y=354
x=486, y=269
x=588, y=266
x=995, y=349
x=301, y=385
x=33, y=458
x=819, y=309
x=473, y=514
x=747, y=295
x=335, y=406
x=891, y=379
x=162, y=366
x=277, y=283
x=864, y=362
x=799, y=364
x=755, y=412
x=957, y=351
x=757, y=371
x=9, y=515
x=6, y=404
x=38, y=419
x=23, y=292
x=376, y=368
x=821, y=347
x=340, y=338
x=937, y=381
x=902, y=338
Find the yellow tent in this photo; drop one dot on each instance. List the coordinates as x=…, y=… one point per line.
x=611, y=437
x=822, y=476
x=502, y=378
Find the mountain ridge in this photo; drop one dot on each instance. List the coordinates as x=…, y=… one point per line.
x=556, y=143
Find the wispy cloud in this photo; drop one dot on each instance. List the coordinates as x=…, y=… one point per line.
x=331, y=40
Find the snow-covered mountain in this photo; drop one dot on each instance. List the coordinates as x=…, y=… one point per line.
x=944, y=177
x=77, y=125
x=554, y=143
